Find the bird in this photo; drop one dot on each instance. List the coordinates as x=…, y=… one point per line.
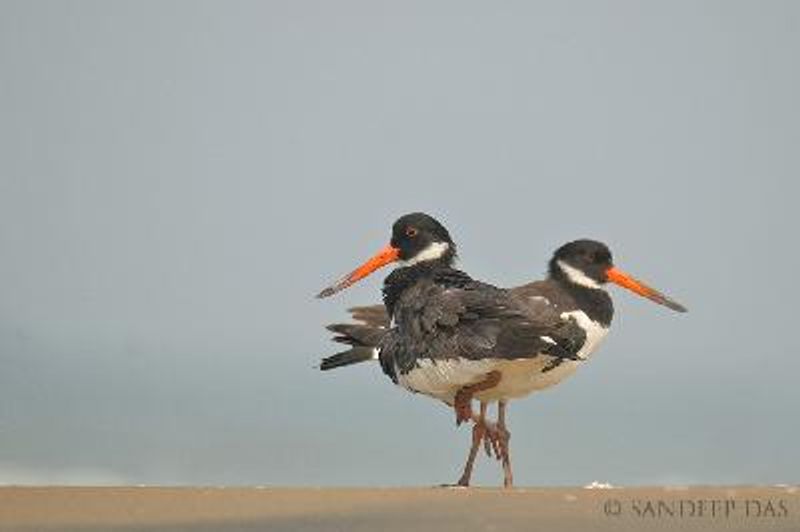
x=443, y=334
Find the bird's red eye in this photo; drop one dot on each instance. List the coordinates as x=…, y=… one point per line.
x=411, y=232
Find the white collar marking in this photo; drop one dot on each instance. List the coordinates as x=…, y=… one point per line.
x=577, y=276
x=434, y=251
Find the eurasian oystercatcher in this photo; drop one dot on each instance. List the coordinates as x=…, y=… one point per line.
x=451, y=337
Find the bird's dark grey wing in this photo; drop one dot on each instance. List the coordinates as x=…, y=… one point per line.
x=521, y=327
x=483, y=322
x=391, y=346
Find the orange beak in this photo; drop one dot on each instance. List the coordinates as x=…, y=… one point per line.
x=634, y=285
x=385, y=256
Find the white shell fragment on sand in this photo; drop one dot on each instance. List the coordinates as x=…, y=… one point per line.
x=594, y=485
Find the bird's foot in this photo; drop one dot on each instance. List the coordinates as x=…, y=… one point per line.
x=456, y=486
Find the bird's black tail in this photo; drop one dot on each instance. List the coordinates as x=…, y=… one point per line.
x=363, y=338
x=354, y=355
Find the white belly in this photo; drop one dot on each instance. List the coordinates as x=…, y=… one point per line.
x=443, y=378
x=519, y=377
x=524, y=376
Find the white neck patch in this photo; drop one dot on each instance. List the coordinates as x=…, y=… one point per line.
x=434, y=251
x=577, y=276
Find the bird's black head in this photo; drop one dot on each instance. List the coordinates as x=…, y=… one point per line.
x=416, y=238
x=583, y=262
x=588, y=263
x=419, y=237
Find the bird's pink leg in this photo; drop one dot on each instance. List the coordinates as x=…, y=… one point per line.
x=478, y=433
x=462, y=403
x=505, y=453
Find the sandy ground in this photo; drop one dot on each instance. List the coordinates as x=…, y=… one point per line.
x=393, y=509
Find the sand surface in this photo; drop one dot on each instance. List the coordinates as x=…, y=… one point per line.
x=393, y=509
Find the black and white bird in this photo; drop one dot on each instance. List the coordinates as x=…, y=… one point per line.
x=443, y=334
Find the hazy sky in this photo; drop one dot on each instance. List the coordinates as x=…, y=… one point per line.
x=178, y=179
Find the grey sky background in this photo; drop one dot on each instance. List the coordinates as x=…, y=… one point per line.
x=178, y=179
